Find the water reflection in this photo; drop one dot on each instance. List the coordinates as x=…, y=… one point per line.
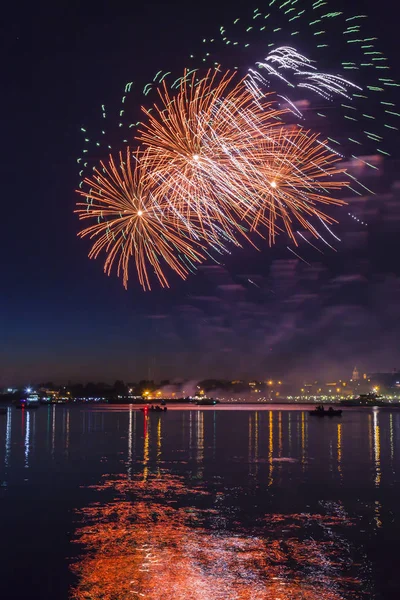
x=391, y=437
x=159, y=438
x=208, y=504
x=370, y=436
x=130, y=433
x=165, y=535
x=377, y=516
x=303, y=440
x=339, y=450
x=146, y=444
x=27, y=432
x=8, y=439
x=156, y=540
x=270, y=447
x=377, y=449
x=279, y=434
x=53, y=430
x=66, y=420
x=199, y=415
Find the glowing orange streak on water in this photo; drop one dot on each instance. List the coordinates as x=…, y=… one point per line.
x=271, y=446
x=151, y=548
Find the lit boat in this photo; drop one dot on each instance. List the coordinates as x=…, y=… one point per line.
x=206, y=402
x=31, y=401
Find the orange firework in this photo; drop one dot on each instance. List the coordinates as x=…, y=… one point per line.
x=131, y=224
x=228, y=162
x=290, y=177
x=196, y=143
x=218, y=163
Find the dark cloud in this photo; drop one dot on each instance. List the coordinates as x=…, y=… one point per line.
x=231, y=287
x=206, y=299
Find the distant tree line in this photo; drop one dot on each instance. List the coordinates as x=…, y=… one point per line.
x=144, y=386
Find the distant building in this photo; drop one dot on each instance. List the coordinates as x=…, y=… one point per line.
x=356, y=375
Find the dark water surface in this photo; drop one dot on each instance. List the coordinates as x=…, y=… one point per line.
x=102, y=503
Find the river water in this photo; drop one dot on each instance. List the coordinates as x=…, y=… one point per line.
x=104, y=503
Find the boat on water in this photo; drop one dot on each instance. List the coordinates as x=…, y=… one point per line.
x=30, y=402
x=321, y=412
x=153, y=408
x=206, y=402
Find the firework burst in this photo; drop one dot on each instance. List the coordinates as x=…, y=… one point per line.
x=130, y=224
x=194, y=141
x=218, y=165
x=345, y=69
x=228, y=162
x=291, y=178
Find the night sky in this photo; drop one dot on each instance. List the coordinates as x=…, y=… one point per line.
x=62, y=319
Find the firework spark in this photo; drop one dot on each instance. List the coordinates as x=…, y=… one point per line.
x=305, y=74
x=342, y=41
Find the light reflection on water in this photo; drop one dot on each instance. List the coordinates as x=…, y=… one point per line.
x=143, y=544
x=210, y=504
